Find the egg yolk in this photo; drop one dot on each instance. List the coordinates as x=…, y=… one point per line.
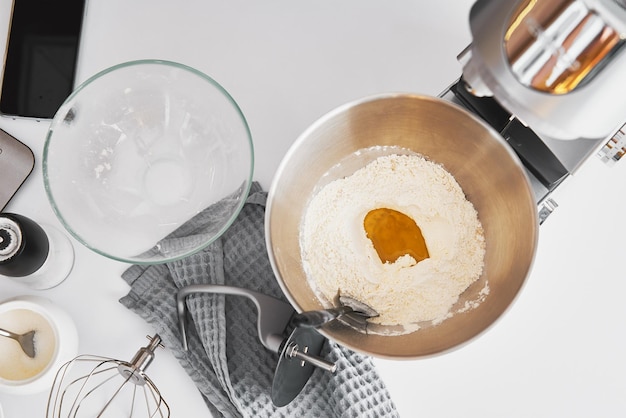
x=394, y=234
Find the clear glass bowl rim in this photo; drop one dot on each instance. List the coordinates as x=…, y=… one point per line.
x=97, y=77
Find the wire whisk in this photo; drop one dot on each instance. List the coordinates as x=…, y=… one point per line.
x=95, y=386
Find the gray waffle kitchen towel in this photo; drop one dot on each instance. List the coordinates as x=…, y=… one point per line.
x=226, y=360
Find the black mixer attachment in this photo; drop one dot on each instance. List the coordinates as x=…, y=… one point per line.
x=299, y=352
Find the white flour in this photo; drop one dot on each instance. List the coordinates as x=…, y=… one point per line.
x=338, y=255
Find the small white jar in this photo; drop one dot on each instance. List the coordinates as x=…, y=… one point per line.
x=56, y=342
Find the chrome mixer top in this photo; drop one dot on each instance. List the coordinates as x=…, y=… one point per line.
x=557, y=65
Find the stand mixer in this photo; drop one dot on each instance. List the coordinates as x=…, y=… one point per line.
x=549, y=76
x=527, y=74
x=544, y=76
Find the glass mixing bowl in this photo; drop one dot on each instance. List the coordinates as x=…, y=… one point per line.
x=148, y=162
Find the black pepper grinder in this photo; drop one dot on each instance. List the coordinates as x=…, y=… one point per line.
x=33, y=255
x=24, y=245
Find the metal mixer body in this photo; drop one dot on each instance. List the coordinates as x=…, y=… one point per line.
x=557, y=65
x=548, y=75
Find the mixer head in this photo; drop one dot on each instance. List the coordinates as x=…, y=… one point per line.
x=557, y=65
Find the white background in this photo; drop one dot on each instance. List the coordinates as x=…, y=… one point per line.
x=558, y=352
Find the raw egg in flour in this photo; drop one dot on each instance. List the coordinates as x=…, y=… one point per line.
x=394, y=234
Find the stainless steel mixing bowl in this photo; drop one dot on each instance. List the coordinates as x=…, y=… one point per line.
x=489, y=173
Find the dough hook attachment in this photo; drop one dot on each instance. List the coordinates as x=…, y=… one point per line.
x=299, y=352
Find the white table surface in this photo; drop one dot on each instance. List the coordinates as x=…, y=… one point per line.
x=558, y=352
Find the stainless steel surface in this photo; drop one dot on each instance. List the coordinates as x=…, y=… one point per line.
x=615, y=148
x=299, y=352
x=102, y=386
x=491, y=176
x=548, y=162
x=551, y=169
x=546, y=208
x=298, y=359
x=273, y=314
x=294, y=351
x=359, y=307
x=557, y=46
x=135, y=370
x=319, y=318
x=26, y=341
x=501, y=30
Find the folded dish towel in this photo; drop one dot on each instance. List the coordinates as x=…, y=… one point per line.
x=226, y=360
